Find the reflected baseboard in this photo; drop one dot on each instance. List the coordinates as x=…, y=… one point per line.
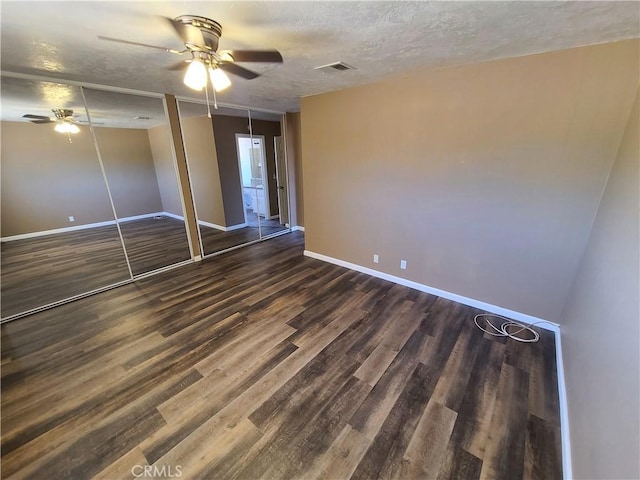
x=173, y=215
x=85, y=226
x=221, y=227
x=297, y=227
x=215, y=226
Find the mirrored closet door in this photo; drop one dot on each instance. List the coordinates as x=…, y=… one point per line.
x=238, y=174
x=59, y=235
x=134, y=143
x=268, y=157
x=224, y=200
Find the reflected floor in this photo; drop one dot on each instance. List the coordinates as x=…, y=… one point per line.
x=42, y=270
x=214, y=240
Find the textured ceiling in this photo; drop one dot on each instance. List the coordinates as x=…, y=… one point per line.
x=380, y=39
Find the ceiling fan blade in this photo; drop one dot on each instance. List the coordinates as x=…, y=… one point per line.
x=36, y=117
x=268, y=56
x=42, y=121
x=238, y=70
x=187, y=33
x=119, y=40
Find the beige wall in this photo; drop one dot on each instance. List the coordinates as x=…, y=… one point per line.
x=601, y=332
x=160, y=141
x=294, y=168
x=485, y=178
x=127, y=159
x=199, y=144
x=46, y=179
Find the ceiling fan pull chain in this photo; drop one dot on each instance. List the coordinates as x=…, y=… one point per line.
x=206, y=93
x=215, y=99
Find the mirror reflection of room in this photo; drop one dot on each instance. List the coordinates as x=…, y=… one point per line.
x=59, y=235
x=270, y=155
x=133, y=139
x=83, y=208
x=251, y=157
x=233, y=172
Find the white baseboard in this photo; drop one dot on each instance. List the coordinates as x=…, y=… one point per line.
x=235, y=227
x=222, y=228
x=43, y=233
x=83, y=227
x=212, y=225
x=505, y=312
x=139, y=217
x=173, y=215
x=298, y=228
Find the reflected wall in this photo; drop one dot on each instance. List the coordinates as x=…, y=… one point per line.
x=59, y=236
x=133, y=139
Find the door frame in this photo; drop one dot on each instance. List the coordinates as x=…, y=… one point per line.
x=281, y=186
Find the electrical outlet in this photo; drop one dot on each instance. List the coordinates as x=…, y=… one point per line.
x=403, y=264
x=376, y=259
x=71, y=219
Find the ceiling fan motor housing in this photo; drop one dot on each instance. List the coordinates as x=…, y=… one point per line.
x=210, y=29
x=62, y=113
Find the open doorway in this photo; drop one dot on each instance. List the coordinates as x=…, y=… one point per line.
x=255, y=189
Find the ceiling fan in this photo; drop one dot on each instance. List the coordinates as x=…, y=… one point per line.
x=201, y=36
x=63, y=119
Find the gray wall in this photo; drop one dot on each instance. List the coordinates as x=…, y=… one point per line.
x=224, y=131
x=485, y=178
x=601, y=329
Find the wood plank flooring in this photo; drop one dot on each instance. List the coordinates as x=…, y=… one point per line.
x=214, y=240
x=41, y=270
x=262, y=363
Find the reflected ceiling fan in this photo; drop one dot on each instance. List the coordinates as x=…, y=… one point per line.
x=63, y=118
x=201, y=36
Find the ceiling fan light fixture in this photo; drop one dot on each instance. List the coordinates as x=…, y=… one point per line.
x=196, y=76
x=66, y=127
x=219, y=79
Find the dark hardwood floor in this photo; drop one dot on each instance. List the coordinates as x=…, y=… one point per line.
x=154, y=243
x=42, y=270
x=262, y=363
x=38, y=271
x=214, y=240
